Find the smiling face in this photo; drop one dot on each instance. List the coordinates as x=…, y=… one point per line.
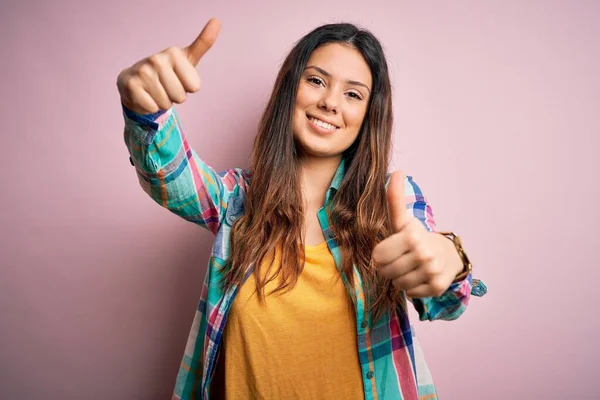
x=332, y=100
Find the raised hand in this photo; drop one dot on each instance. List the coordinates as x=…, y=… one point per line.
x=422, y=263
x=156, y=82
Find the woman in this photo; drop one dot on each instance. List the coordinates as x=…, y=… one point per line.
x=332, y=255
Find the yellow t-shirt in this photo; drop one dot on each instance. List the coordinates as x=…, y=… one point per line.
x=300, y=344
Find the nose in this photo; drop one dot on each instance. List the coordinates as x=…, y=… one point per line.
x=329, y=101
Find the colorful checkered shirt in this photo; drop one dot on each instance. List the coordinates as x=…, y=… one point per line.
x=393, y=366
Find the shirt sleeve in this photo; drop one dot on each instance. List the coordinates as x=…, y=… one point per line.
x=453, y=302
x=173, y=174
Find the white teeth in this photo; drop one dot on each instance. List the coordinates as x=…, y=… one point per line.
x=322, y=124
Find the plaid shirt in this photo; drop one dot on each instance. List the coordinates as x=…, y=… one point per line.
x=393, y=366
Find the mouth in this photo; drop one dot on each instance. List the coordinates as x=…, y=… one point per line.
x=321, y=125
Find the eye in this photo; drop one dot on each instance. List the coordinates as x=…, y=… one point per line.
x=354, y=95
x=315, y=80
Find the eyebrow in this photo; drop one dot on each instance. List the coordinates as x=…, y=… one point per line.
x=327, y=74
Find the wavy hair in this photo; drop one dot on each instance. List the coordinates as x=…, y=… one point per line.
x=358, y=215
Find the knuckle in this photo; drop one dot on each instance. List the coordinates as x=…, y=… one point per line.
x=127, y=82
x=125, y=79
x=432, y=270
x=145, y=71
x=173, y=51
x=155, y=60
x=425, y=255
x=430, y=273
x=129, y=85
x=121, y=78
x=412, y=238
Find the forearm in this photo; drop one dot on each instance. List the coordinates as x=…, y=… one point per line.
x=171, y=172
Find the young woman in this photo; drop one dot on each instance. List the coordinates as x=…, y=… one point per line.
x=333, y=244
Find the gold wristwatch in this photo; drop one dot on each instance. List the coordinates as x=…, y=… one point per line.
x=467, y=266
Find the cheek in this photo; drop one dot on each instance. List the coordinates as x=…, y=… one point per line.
x=299, y=107
x=298, y=117
x=355, y=118
x=305, y=96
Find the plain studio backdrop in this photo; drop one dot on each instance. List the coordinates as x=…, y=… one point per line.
x=496, y=107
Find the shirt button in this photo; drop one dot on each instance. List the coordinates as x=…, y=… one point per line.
x=370, y=375
x=364, y=324
x=331, y=235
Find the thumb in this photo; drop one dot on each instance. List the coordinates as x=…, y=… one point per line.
x=203, y=42
x=397, y=202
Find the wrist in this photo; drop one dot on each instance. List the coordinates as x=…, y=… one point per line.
x=457, y=259
x=454, y=260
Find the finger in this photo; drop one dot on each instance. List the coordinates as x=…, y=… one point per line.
x=397, y=201
x=173, y=87
x=391, y=248
x=145, y=104
x=428, y=289
x=155, y=88
x=136, y=98
x=400, y=266
x=203, y=42
x=419, y=292
x=187, y=74
x=407, y=240
x=410, y=281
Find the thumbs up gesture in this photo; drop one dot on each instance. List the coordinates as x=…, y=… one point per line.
x=156, y=82
x=422, y=263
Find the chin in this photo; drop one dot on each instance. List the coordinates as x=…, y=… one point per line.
x=308, y=144
x=320, y=152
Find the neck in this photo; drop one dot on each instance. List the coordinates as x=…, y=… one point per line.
x=316, y=175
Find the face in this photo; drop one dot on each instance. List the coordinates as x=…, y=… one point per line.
x=332, y=100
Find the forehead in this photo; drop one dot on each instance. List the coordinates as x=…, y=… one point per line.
x=343, y=62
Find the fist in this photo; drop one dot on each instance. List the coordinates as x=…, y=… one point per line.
x=422, y=263
x=158, y=81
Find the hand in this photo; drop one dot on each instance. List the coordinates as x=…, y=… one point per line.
x=158, y=81
x=422, y=263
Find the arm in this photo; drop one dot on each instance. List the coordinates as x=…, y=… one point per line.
x=168, y=169
x=172, y=174
x=452, y=303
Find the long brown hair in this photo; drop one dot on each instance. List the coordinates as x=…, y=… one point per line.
x=273, y=209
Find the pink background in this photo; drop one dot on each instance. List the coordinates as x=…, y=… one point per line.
x=497, y=119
